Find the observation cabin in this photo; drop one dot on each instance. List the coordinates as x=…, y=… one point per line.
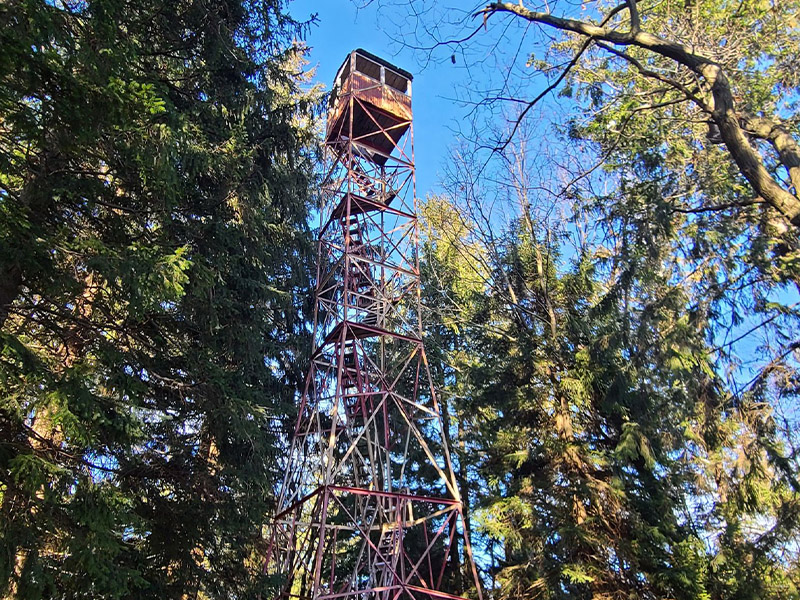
x=370, y=105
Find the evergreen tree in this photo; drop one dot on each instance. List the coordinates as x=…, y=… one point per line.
x=612, y=460
x=154, y=182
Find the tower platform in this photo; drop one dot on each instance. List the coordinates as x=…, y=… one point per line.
x=377, y=96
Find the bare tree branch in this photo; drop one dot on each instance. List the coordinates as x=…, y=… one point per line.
x=654, y=75
x=542, y=94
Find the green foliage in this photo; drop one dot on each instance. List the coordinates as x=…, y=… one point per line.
x=155, y=167
x=657, y=114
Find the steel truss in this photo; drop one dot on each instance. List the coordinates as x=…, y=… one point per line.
x=351, y=522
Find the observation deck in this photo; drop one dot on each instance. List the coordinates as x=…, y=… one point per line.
x=376, y=95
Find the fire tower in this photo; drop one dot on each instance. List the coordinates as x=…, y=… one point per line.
x=369, y=507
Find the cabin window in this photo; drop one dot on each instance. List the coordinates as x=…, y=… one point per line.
x=368, y=67
x=396, y=81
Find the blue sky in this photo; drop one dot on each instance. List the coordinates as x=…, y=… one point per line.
x=343, y=27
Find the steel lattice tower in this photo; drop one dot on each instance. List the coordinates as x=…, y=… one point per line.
x=351, y=521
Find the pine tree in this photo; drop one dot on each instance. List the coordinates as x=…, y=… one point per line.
x=155, y=173
x=600, y=429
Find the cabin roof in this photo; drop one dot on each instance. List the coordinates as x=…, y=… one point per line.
x=381, y=61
